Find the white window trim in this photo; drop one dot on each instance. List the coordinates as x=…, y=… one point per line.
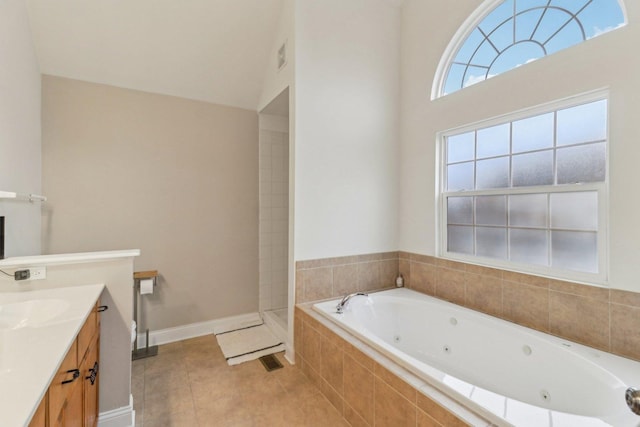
x=600, y=278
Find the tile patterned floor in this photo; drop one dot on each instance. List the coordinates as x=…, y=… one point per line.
x=189, y=384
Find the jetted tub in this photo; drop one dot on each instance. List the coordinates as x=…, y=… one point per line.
x=512, y=375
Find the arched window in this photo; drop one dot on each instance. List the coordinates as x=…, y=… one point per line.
x=505, y=34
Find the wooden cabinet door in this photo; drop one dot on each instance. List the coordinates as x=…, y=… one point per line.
x=91, y=379
x=62, y=385
x=73, y=416
x=39, y=419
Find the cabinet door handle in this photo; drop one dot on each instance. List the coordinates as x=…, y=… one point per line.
x=76, y=374
x=93, y=373
x=103, y=308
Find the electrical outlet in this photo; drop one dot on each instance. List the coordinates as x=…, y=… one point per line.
x=38, y=273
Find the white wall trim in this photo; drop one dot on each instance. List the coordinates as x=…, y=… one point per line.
x=193, y=330
x=120, y=417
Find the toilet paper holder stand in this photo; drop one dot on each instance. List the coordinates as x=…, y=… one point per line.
x=147, y=351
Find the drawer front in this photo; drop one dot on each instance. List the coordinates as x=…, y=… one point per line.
x=63, y=383
x=88, y=331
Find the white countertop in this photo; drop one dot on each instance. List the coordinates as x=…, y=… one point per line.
x=37, y=329
x=75, y=258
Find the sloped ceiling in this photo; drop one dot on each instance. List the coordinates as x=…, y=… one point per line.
x=208, y=50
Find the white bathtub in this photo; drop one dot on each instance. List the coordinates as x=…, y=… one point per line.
x=510, y=374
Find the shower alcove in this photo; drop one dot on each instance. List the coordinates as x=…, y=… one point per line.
x=274, y=214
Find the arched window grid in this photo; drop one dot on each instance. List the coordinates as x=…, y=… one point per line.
x=473, y=24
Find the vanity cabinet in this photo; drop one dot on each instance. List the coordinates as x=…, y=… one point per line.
x=40, y=417
x=72, y=397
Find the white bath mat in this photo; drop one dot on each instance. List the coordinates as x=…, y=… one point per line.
x=248, y=343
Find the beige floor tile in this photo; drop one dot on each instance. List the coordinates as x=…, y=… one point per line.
x=176, y=419
x=225, y=411
x=190, y=384
x=166, y=402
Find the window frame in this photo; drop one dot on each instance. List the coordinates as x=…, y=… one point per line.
x=602, y=189
x=460, y=36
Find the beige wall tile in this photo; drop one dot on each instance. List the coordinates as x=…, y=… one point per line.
x=353, y=418
x=484, y=293
x=391, y=408
x=404, y=267
x=359, y=356
x=299, y=287
x=317, y=283
x=423, y=277
x=345, y=279
x=580, y=319
x=625, y=338
x=527, y=279
x=593, y=292
x=406, y=390
x=425, y=420
x=452, y=265
x=368, y=276
x=388, y=272
x=312, y=374
x=298, y=334
x=359, y=389
x=425, y=259
x=450, y=285
x=625, y=297
x=331, y=364
x=312, y=346
x=526, y=305
x=437, y=412
x=332, y=396
x=483, y=271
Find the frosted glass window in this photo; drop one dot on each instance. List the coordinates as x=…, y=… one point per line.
x=529, y=246
x=528, y=210
x=491, y=242
x=460, y=239
x=460, y=210
x=576, y=211
x=534, y=133
x=574, y=250
x=516, y=32
x=461, y=147
x=533, y=169
x=529, y=192
x=494, y=141
x=583, y=163
x=584, y=123
x=460, y=176
x=491, y=210
x=493, y=173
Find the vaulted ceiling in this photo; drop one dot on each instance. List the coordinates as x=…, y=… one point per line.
x=208, y=50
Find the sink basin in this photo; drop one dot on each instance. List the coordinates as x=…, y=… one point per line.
x=30, y=313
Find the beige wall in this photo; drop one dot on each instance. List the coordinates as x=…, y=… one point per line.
x=176, y=178
x=603, y=62
x=19, y=129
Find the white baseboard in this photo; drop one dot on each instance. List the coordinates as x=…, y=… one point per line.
x=193, y=330
x=120, y=417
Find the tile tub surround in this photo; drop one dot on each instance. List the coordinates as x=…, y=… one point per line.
x=335, y=277
x=603, y=318
x=599, y=317
x=364, y=386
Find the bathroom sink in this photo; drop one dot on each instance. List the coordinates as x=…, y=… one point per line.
x=31, y=313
